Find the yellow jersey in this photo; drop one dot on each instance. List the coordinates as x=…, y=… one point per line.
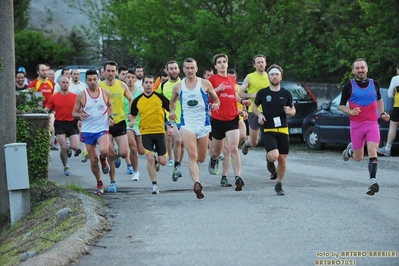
x=256, y=83
x=117, y=93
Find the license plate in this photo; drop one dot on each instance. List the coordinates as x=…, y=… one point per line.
x=295, y=130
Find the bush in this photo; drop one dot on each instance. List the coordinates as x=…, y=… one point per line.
x=34, y=131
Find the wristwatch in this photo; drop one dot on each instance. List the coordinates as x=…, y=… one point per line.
x=111, y=117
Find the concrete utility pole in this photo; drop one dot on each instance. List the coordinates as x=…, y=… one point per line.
x=8, y=124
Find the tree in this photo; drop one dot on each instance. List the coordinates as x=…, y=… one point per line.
x=7, y=90
x=34, y=47
x=21, y=15
x=312, y=40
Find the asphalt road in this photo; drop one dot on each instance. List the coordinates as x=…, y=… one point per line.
x=324, y=213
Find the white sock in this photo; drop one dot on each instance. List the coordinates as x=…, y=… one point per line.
x=388, y=147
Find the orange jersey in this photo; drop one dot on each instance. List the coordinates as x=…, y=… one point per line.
x=47, y=88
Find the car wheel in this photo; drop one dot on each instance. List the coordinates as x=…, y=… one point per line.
x=312, y=139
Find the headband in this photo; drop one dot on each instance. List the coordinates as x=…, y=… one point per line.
x=274, y=70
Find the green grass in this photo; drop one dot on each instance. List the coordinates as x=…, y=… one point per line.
x=40, y=229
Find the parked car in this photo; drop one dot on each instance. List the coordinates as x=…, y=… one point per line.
x=305, y=102
x=82, y=71
x=330, y=125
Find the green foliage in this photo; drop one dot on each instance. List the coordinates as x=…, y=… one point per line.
x=21, y=14
x=37, y=139
x=36, y=134
x=311, y=40
x=34, y=47
x=29, y=102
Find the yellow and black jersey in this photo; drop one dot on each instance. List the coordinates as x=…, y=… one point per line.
x=152, y=112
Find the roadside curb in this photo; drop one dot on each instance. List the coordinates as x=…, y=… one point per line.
x=74, y=247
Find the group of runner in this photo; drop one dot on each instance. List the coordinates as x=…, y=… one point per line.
x=136, y=114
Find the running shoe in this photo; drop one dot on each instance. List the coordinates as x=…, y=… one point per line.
x=176, y=173
x=118, y=162
x=221, y=157
x=213, y=166
x=85, y=156
x=53, y=148
x=99, y=188
x=244, y=148
x=373, y=188
x=384, y=151
x=66, y=171
x=198, y=190
x=271, y=167
x=69, y=152
x=104, y=165
x=345, y=153
x=77, y=152
x=171, y=162
x=155, y=189
x=129, y=169
x=112, y=187
x=136, y=176
x=239, y=183
x=224, y=182
x=279, y=189
x=157, y=165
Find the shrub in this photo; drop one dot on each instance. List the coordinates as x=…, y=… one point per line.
x=35, y=132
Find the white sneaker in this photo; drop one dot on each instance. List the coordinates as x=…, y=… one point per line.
x=155, y=189
x=384, y=151
x=136, y=176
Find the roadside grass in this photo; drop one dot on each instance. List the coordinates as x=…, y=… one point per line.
x=40, y=229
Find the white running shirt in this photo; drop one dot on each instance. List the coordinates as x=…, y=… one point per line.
x=97, y=110
x=194, y=105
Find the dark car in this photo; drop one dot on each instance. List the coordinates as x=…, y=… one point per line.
x=330, y=125
x=305, y=102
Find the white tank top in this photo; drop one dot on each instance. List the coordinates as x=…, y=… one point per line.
x=97, y=110
x=194, y=105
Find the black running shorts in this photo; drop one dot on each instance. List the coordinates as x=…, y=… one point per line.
x=67, y=128
x=154, y=140
x=118, y=129
x=219, y=128
x=276, y=140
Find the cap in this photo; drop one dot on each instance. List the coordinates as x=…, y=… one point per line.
x=22, y=69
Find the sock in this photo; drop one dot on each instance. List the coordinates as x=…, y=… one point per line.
x=373, y=162
x=99, y=182
x=113, y=181
x=129, y=165
x=278, y=182
x=154, y=183
x=388, y=147
x=223, y=176
x=177, y=164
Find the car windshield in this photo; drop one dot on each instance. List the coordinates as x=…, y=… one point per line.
x=336, y=101
x=297, y=90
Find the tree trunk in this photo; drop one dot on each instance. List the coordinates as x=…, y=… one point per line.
x=7, y=94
